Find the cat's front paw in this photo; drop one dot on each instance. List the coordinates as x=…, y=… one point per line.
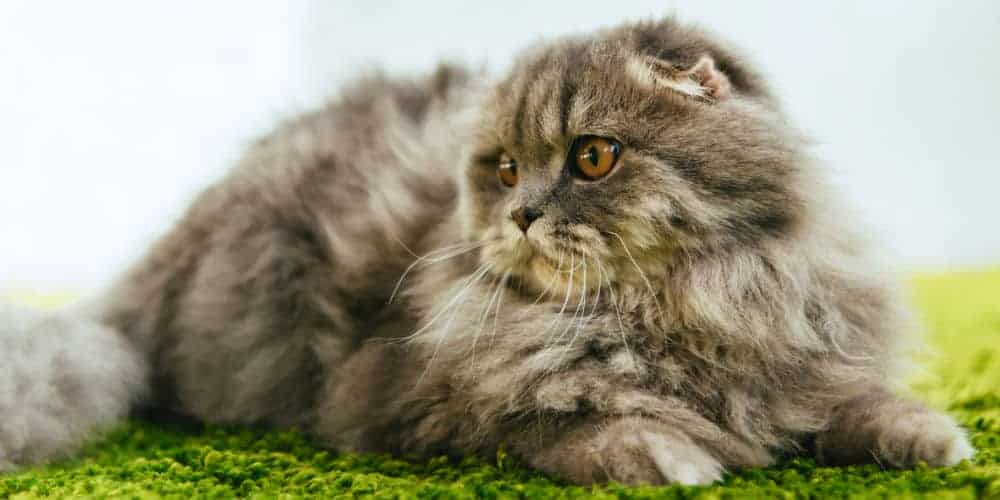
x=682, y=463
x=927, y=437
x=632, y=453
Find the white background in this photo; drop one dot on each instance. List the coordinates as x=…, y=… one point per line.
x=114, y=113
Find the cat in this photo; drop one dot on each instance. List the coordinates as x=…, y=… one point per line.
x=619, y=262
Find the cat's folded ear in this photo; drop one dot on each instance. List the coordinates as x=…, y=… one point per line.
x=701, y=81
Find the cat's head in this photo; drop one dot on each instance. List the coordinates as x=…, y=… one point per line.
x=603, y=155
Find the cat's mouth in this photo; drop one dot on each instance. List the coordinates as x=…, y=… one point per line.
x=554, y=263
x=557, y=252
x=551, y=262
x=557, y=268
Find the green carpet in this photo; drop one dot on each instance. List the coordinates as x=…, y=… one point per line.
x=144, y=460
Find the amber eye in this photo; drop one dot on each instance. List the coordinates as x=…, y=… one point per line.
x=507, y=170
x=593, y=157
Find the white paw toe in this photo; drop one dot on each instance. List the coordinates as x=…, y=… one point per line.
x=959, y=450
x=932, y=438
x=682, y=463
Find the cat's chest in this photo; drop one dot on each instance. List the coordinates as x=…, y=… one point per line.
x=507, y=355
x=550, y=365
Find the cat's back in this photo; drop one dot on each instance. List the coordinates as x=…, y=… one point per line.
x=309, y=232
x=372, y=123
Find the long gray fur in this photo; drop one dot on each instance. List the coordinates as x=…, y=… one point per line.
x=707, y=306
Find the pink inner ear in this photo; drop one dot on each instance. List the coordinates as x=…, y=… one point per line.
x=711, y=79
x=700, y=81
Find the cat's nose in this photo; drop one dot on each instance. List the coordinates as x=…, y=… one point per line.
x=524, y=216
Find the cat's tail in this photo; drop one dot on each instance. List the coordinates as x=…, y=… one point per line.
x=63, y=376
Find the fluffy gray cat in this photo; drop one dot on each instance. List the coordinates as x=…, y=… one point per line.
x=619, y=263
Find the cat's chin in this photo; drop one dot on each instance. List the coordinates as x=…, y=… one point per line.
x=559, y=278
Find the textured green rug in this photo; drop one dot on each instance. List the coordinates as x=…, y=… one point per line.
x=145, y=460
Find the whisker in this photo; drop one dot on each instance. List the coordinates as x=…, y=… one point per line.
x=400, y=241
x=455, y=309
x=618, y=314
x=565, y=301
x=450, y=251
x=478, y=275
x=489, y=305
x=649, y=286
x=574, y=267
x=496, y=315
x=498, y=284
x=582, y=302
x=576, y=313
x=552, y=280
x=600, y=284
x=584, y=317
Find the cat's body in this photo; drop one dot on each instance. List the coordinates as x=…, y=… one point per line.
x=702, y=306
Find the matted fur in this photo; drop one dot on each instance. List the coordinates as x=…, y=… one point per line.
x=705, y=306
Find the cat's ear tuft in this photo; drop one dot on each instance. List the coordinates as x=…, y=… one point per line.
x=701, y=81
